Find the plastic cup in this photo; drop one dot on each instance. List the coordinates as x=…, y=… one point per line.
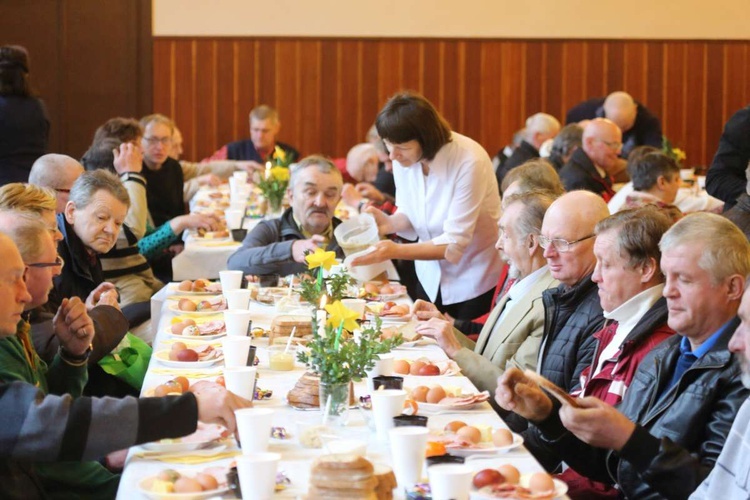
x=257, y=473
x=382, y=367
x=240, y=380
x=230, y=280
x=254, y=427
x=356, y=305
x=240, y=175
x=238, y=299
x=281, y=361
x=386, y=404
x=408, y=445
x=236, y=321
x=234, y=218
x=450, y=481
x=236, y=350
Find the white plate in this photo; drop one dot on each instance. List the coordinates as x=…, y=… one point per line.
x=173, y=288
x=163, y=358
x=417, y=343
x=443, y=408
x=144, y=484
x=195, y=337
x=389, y=319
x=560, y=489
x=486, y=450
x=173, y=307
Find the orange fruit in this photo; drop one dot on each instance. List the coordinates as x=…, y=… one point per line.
x=435, y=449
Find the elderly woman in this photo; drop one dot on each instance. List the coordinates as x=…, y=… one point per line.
x=448, y=201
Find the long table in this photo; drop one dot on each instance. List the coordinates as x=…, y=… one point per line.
x=296, y=460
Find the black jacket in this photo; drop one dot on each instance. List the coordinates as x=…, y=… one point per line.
x=726, y=178
x=646, y=130
x=523, y=153
x=571, y=316
x=740, y=214
x=267, y=249
x=679, y=434
x=580, y=173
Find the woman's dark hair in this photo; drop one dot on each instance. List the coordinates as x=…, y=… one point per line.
x=14, y=71
x=409, y=116
x=100, y=155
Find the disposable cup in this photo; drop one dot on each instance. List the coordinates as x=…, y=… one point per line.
x=386, y=404
x=233, y=218
x=257, y=473
x=230, y=280
x=240, y=380
x=254, y=427
x=236, y=321
x=236, y=350
x=450, y=481
x=408, y=445
x=238, y=299
x=383, y=366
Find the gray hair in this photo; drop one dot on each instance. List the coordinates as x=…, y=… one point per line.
x=26, y=231
x=726, y=250
x=89, y=183
x=639, y=231
x=541, y=123
x=156, y=118
x=321, y=163
x=537, y=174
x=535, y=204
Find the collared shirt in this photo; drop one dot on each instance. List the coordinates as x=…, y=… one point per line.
x=327, y=234
x=628, y=314
x=688, y=356
x=517, y=291
x=457, y=205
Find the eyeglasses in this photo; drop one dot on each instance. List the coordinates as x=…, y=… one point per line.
x=153, y=141
x=560, y=244
x=615, y=146
x=61, y=190
x=59, y=262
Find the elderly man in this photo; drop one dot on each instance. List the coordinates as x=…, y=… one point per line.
x=726, y=176
x=591, y=166
x=279, y=246
x=57, y=172
x=261, y=147
x=639, y=126
x=362, y=167
x=666, y=434
x=59, y=428
x=539, y=128
x=513, y=332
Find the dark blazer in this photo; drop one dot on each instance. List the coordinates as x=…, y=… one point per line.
x=726, y=179
x=580, y=173
x=523, y=153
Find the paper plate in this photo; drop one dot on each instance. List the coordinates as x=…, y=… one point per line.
x=162, y=357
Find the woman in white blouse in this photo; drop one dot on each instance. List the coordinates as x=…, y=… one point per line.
x=447, y=199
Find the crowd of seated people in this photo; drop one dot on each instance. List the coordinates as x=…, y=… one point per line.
x=632, y=305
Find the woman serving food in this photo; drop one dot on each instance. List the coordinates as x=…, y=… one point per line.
x=448, y=201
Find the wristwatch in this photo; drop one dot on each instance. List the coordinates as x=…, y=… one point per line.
x=74, y=360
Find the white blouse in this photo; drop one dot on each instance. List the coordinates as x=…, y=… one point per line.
x=457, y=204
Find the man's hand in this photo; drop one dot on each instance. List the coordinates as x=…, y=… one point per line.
x=369, y=191
x=250, y=166
x=597, y=423
x=209, y=180
x=73, y=326
x=442, y=331
x=517, y=393
x=300, y=248
x=216, y=404
x=383, y=250
x=95, y=296
x=351, y=196
x=424, y=310
x=385, y=226
x=128, y=158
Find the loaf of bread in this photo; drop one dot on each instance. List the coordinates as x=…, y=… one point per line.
x=306, y=392
x=342, y=476
x=282, y=326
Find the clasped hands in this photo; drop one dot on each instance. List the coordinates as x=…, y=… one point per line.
x=592, y=421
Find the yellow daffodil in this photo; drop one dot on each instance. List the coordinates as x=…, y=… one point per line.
x=679, y=154
x=280, y=173
x=321, y=258
x=280, y=155
x=338, y=312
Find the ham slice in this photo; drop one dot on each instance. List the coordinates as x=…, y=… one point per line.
x=207, y=352
x=212, y=327
x=466, y=400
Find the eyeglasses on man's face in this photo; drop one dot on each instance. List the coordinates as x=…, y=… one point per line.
x=613, y=145
x=59, y=262
x=559, y=244
x=153, y=141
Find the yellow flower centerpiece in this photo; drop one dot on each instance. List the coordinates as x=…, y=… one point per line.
x=273, y=185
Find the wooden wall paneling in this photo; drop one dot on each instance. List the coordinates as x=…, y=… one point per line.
x=495, y=107
x=675, y=86
x=329, y=97
x=286, y=89
x=412, y=66
x=349, y=121
x=371, y=100
x=695, y=103
x=266, y=73
x=164, y=64
x=431, y=83
x=389, y=69
x=226, y=111
x=512, y=92
x=312, y=116
x=735, y=79
x=246, y=90
x=574, y=77
x=184, y=85
x=714, y=120
x=449, y=101
x=554, y=69
x=535, y=80
x=635, y=75
x=654, y=99
x=471, y=112
x=206, y=103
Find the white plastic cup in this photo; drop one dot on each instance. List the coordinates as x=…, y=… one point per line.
x=230, y=280
x=236, y=350
x=450, y=481
x=240, y=380
x=408, y=445
x=233, y=218
x=356, y=305
x=240, y=175
x=238, y=299
x=386, y=404
x=236, y=321
x=257, y=473
x=383, y=366
x=254, y=427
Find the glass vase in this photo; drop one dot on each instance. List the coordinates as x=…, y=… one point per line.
x=334, y=402
x=274, y=206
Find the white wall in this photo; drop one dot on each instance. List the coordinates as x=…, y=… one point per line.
x=648, y=19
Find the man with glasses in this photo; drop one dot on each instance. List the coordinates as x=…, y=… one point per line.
x=592, y=166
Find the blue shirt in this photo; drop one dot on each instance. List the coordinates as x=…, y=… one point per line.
x=688, y=356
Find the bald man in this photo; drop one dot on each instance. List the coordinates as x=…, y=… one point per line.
x=539, y=128
x=593, y=165
x=640, y=127
x=57, y=172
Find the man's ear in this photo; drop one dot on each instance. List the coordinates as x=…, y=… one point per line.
x=70, y=209
x=661, y=182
